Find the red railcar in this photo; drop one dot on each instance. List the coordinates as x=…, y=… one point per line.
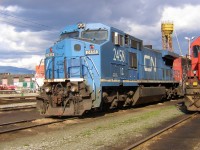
x=179, y=67
x=192, y=91
x=7, y=87
x=195, y=58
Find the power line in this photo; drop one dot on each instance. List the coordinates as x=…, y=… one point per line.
x=20, y=24
x=23, y=22
x=28, y=20
x=178, y=42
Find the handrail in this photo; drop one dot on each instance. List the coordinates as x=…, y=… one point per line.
x=40, y=63
x=53, y=59
x=93, y=65
x=93, y=83
x=65, y=67
x=87, y=65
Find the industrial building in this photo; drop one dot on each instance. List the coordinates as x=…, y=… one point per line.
x=12, y=79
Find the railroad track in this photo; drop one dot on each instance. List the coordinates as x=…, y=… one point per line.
x=24, y=124
x=17, y=108
x=27, y=124
x=150, y=137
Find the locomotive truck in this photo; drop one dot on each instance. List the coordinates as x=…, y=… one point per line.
x=94, y=66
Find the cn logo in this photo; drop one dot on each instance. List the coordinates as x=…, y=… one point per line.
x=149, y=63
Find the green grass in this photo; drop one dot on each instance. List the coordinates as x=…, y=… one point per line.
x=87, y=133
x=130, y=120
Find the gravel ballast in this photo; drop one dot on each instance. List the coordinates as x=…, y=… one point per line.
x=114, y=130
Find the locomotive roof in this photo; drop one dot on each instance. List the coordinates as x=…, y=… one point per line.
x=165, y=53
x=72, y=28
x=169, y=54
x=87, y=26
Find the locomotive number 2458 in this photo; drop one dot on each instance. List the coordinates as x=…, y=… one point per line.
x=119, y=55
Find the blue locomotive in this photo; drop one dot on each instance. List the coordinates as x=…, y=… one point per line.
x=94, y=66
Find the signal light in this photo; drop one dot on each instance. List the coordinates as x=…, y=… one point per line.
x=51, y=50
x=91, y=46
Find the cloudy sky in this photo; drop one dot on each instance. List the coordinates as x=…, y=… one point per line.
x=28, y=27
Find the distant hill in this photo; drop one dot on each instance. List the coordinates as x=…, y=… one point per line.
x=15, y=70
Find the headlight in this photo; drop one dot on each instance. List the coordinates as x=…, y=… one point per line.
x=194, y=83
x=187, y=83
x=81, y=25
x=194, y=71
x=47, y=89
x=73, y=89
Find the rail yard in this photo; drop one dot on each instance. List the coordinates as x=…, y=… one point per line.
x=101, y=86
x=99, y=75
x=116, y=129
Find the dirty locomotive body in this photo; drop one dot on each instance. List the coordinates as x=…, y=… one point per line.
x=94, y=66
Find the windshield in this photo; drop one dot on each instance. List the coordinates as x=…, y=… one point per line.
x=69, y=35
x=99, y=35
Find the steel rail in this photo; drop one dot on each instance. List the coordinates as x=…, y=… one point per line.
x=30, y=126
x=158, y=133
x=16, y=108
x=15, y=122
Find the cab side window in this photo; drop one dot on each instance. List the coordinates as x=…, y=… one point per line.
x=196, y=49
x=117, y=39
x=136, y=44
x=126, y=39
x=133, y=60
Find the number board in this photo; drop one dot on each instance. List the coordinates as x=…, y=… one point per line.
x=91, y=52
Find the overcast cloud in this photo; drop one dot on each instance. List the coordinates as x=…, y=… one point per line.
x=28, y=27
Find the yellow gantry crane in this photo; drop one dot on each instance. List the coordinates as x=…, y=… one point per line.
x=167, y=29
